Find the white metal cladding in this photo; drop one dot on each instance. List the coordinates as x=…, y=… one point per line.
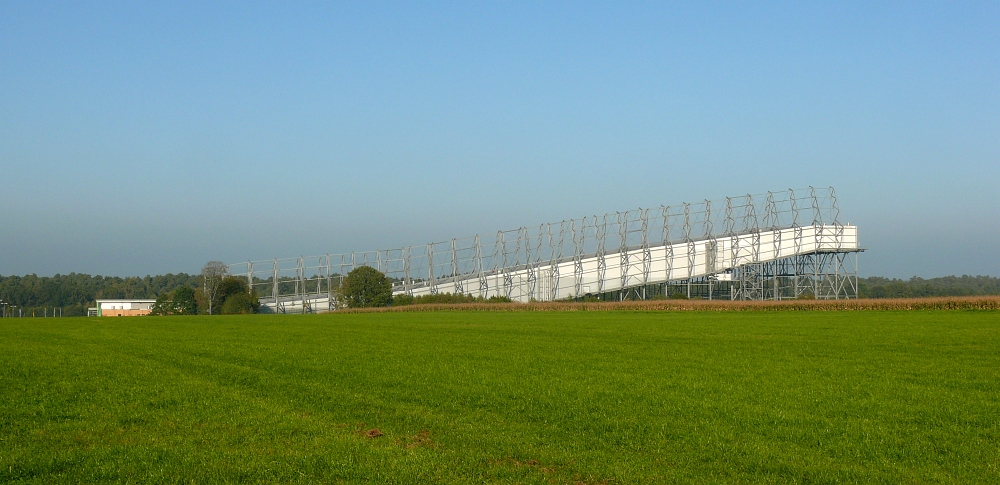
x=120, y=304
x=572, y=258
x=675, y=262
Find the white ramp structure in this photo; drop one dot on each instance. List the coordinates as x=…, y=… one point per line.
x=778, y=245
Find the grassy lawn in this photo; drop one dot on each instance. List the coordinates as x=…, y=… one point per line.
x=523, y=397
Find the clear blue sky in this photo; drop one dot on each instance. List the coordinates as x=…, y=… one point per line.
x=145, y=139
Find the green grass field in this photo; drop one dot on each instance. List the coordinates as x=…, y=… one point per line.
x=521, y=397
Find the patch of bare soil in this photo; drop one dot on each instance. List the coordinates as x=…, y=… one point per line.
x=421, y=439
x=367, y=433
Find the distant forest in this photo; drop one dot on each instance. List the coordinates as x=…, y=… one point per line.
x=74, y=292
x=878, y=287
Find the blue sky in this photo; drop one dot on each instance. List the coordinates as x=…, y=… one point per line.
x=146, y=139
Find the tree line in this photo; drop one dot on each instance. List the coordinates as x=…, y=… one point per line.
x=213, y=291
x=915, y=287
x=75, y=292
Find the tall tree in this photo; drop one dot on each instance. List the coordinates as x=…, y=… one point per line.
x=213, y=273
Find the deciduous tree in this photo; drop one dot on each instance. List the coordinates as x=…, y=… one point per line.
x=178, y=302
x=365, y=287
x=213, y=273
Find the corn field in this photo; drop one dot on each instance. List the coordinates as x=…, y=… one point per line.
x=934, y=303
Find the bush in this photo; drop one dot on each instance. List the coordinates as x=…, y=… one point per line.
x=365, y=287
x=229, y=286
x=241, y=303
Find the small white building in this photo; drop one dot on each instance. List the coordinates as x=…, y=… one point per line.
x=124, y=308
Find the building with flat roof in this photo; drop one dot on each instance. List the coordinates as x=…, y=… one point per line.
x=124, y=308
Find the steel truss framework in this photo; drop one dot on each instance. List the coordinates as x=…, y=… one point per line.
x=787, y=244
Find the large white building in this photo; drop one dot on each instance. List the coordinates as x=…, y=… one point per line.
x=123, y=308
